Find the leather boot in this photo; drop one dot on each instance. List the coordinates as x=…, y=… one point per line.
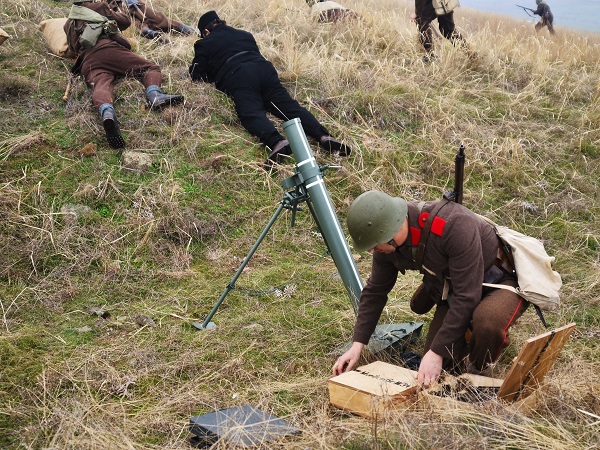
x=278, y=155
x=157, y=99
x=185, y=29
x=332, y=145
x=111, y=126
x=155, y=35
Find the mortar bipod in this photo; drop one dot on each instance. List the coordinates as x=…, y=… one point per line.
x=291, y=200
x=307, y=185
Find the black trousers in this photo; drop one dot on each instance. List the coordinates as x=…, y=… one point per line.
x=255, y=88
x=425, y=15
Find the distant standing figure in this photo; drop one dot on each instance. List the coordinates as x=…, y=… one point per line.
x=547, y=18
x=151, y=22
x=230, y=58
x=425, y=15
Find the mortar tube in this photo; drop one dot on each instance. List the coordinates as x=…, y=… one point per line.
x=323, y=210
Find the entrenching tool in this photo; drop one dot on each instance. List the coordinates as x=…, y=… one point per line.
x=307, y=186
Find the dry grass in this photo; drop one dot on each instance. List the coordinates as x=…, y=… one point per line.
x=81, y=235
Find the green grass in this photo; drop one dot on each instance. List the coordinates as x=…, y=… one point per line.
x=166, y=243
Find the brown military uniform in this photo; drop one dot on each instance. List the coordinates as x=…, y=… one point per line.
x=147, y=17
x=110, y=58
x=461, y=251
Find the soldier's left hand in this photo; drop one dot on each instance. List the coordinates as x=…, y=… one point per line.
x=430, y=369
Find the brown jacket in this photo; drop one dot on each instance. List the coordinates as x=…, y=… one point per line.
x=461, y=246
x=147, y=17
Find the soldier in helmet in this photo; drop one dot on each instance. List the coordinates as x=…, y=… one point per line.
x=230, y=58
x=547, y=18
x=470, y=325
x=103, y=55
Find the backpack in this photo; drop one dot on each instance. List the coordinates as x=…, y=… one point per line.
x=95, y=26
x=443, y=7
x=3, y=36
x=538, y=283
x=56, y=38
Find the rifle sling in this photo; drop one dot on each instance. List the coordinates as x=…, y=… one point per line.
x=425, y=234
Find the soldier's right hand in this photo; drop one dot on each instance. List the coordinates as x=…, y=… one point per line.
x=348, y=360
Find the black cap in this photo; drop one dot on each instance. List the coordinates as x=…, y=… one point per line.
x=205, y=19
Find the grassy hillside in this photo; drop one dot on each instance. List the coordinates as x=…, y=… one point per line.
x=103, y=270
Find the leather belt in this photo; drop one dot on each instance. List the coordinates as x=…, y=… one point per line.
x=504, y=261
x=235, y=56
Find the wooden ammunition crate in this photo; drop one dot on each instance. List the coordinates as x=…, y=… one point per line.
x=374, y=389
x=378, y=388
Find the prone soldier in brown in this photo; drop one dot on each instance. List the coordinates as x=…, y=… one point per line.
x=470, y=325
x=328, y=11
x=110, y=57
x=152, y=23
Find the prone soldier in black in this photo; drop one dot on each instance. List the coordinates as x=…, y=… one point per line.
x=230, y=58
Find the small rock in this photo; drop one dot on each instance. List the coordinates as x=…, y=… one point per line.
x=85, y=329
x=72, y=212
x=96, y=311
x=136, y=161
x=88, y=150
x=529, y=207
x=144, y=321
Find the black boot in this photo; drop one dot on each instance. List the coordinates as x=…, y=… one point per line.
x=184, y=29
x=155, y=35
x=111, y=126
x=332, y=145
x=278, y=155
x=158, y=100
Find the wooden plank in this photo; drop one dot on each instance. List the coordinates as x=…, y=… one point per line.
x=532, y=364
x=480, y=380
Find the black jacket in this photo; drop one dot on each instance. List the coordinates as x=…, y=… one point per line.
x=220, y=52
x=543, y=10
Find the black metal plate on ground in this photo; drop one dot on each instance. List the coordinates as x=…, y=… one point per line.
x=242, y=426
x=389, y=337
x=394, y=336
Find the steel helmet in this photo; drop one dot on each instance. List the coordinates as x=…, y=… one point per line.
x=374, y=217
x=537, y=2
